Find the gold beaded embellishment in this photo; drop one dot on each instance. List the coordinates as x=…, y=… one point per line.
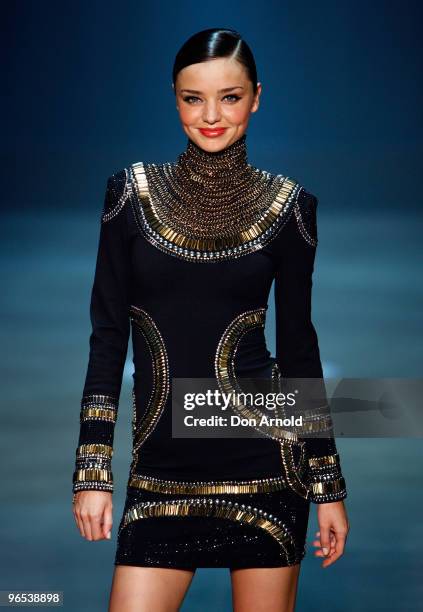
x=217, y=508
x=93, y=460
x=258, y=485
x=319, y=472
x=328, y=488
x=225, y=367
x=327, y=481
x=210, y=206
x=225, y=374
x=317, y=462
x=307, y=220
x=116, y=195
x=161, y=375
x=293, y=473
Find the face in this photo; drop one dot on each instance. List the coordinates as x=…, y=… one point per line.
x=215, y=100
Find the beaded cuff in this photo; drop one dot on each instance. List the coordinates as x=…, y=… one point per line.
x=94, y=453
x=326, y=482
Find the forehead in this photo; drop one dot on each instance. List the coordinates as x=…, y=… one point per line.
x=212, y=75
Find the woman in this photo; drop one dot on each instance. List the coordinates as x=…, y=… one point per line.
x=187, y=255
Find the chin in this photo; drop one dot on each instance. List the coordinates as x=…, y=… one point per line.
x=213, y=144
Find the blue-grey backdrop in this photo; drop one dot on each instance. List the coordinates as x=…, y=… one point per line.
x=88, y=91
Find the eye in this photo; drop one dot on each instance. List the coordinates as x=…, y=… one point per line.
x=190, y=98
x=234, y=97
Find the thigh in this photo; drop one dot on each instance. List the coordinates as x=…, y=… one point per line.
x=142, y=589
x=271, y=589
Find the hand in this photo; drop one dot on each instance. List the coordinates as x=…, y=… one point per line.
x=92, y=511
x=334, y=528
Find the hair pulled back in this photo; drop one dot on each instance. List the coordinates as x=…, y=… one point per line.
x=214, y=43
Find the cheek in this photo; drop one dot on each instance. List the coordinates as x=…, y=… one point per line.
x=188, y=114
x=237, y=114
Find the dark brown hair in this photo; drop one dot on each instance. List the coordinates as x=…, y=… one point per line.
x=214, y=43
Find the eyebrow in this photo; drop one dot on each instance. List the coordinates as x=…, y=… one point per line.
x=226, y=89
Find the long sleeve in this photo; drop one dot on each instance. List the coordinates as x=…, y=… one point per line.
x=108, y=344
x=297, y=348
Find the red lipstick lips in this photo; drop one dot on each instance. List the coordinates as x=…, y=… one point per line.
x=212, y=132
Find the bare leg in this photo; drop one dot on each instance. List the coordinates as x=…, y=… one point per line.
x=142, y=589
x=271, y=589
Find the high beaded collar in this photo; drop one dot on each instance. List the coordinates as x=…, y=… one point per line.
x=206, y=168
x=210, y=194
x=208, y=206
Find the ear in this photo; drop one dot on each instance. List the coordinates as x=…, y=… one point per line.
x=256, y=100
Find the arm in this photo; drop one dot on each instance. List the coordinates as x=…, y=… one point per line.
x=297, y=348
x=109, y=314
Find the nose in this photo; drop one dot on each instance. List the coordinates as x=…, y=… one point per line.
x=211, y=113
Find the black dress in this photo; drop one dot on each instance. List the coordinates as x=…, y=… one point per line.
x=187, y=255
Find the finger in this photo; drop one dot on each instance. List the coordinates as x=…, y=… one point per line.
x=339, y=550
x=340, y=543
x=325, y=539
x=107, y=522
x=332, y=540
x=96, y=530
x=319, y=553
x=85, y=519
x=329, y=561
x=332, y=543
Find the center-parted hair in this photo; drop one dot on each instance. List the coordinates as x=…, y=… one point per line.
x=214, y=43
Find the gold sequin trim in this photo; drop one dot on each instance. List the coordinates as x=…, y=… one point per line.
x=100, y=450
x=104, y=414
x=93, y=474
x=111, y=212
x=160, y=364
x=259, y=485
x=328, y=487
x=196, y=248
x=306, y=221
x=317, y=462
x=99, y=400
x=225, y=367
x=317, y=425
x=134, y=414
x=225, y=374
x=217, y=508
x=293, y=473
x=93, y=460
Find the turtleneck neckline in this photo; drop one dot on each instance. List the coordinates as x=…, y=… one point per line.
x=207, y=202
x=197, y=163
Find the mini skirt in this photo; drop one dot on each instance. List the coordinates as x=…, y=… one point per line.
x=243, y=530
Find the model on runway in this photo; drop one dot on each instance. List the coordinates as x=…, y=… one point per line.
x=187, y=255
